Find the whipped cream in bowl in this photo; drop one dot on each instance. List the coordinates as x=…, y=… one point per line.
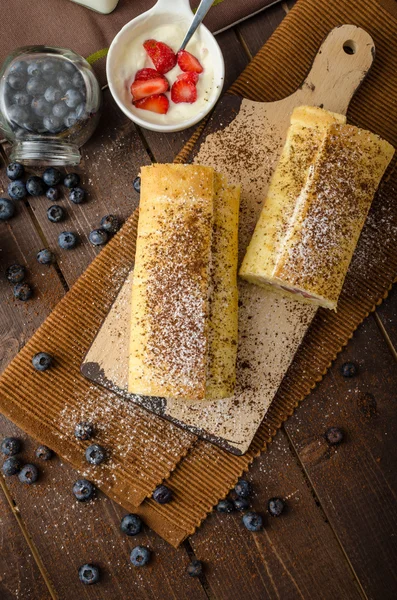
x=127, y=55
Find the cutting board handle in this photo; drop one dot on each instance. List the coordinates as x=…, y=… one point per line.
x=342, y=62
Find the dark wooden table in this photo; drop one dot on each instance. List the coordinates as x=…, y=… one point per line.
x=338, y=538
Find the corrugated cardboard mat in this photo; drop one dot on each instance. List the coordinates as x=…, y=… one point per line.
x=144, y=449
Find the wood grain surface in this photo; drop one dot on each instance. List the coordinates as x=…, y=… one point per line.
x=337, y=539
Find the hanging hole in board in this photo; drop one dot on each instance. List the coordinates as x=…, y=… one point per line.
x=350, y=47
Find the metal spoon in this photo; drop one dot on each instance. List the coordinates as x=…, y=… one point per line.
x=202, y=10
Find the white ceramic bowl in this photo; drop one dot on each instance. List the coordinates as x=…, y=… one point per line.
x=175, y=13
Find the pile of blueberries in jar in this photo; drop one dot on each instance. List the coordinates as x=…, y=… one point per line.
x=45, y=96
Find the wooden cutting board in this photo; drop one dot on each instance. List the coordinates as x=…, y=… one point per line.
x=244, y=139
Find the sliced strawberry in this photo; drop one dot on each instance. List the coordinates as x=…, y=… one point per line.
x=188, y=62
x=145, y=74
x=191, y=76
x=157, y=103
x=183, y=91
x=163, y=57
x=141, y=88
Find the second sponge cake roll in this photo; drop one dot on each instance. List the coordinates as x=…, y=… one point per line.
x=178, y=331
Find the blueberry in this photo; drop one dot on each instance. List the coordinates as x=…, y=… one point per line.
x=242, y=488
x=15, y=171
x=11, y=466
x=17, y=189
x=22, y=291
x=16, y=273
x=334, y=436
x=17, y=114
x=275, y=506
x=89, y=574
x=84, y=430
x=52, y=176
x=73, y=98
x=140, y=556
x=41, y=107
x=98, y=237
x=49, y=68
x=241, y=504
x=35, y=86
x=36, y=186
x=53, y=124
x=52, y=193
x=10, y=446
x=45, y=256
x=77, y=195
x=110, y=223
x=131, y=524
x=349, y=369
x=78, y=81
x=34, y=69
x=60, y=110
x=225, y=506
x=71, y=180
x=44, y=453
x=28, y=474
x=70, y=120
x=34, y=125
x=55, y=213
x=67, y=240
x=252, y=521
x=137, y=184
x=80, y=110
x=16, y=81
x=19, y=67
x=42, y=361
x=22, y=99
x=162, y=494
x=95, y=454
x=64, y=81
x=195, y=568
x=53, y=94
x=7, y=209
x=83, y=490
x=68, y=67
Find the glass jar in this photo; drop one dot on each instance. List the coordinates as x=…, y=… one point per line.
x=50, y=102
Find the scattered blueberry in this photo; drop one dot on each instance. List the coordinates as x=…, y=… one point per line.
x=16, y=81
x=241, y=504
x=98, y=237
x=55, y=213
x=21, y=99
x=64, y=81
x=36, y=86
x=95, y=454
x=7, y=209
x=334, y=436
x=137, y=184
x=22, y=291
x=10, y=446
x=34, y=69
x=36, y=186
x=44, y=453
x=83, y=490
x=84, y=431
x=52, y=194
x=275, y=506
x=71, y=180
x=140, y=556
x=225, y=506
x=67, y=240
x=53, y=124
x=162, y=494
x=45, y=256
x=20, y=67
x=17, y=114
x=252, y=521
x=17, y=189
x=11, y=466
x=110, y=223
x=131, y=524
x=89, y=574
x=77, y=195
x=53, y=94
x=42, y=361
x=16, y=273
x=28, y=474
x=60, y=110
x=349, y=369
x=15, y=171
x=72, y=98
x=195, y=568
x=242, y=488
x=52, y=176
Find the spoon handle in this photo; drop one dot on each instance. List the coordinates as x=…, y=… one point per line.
x=202, y=10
